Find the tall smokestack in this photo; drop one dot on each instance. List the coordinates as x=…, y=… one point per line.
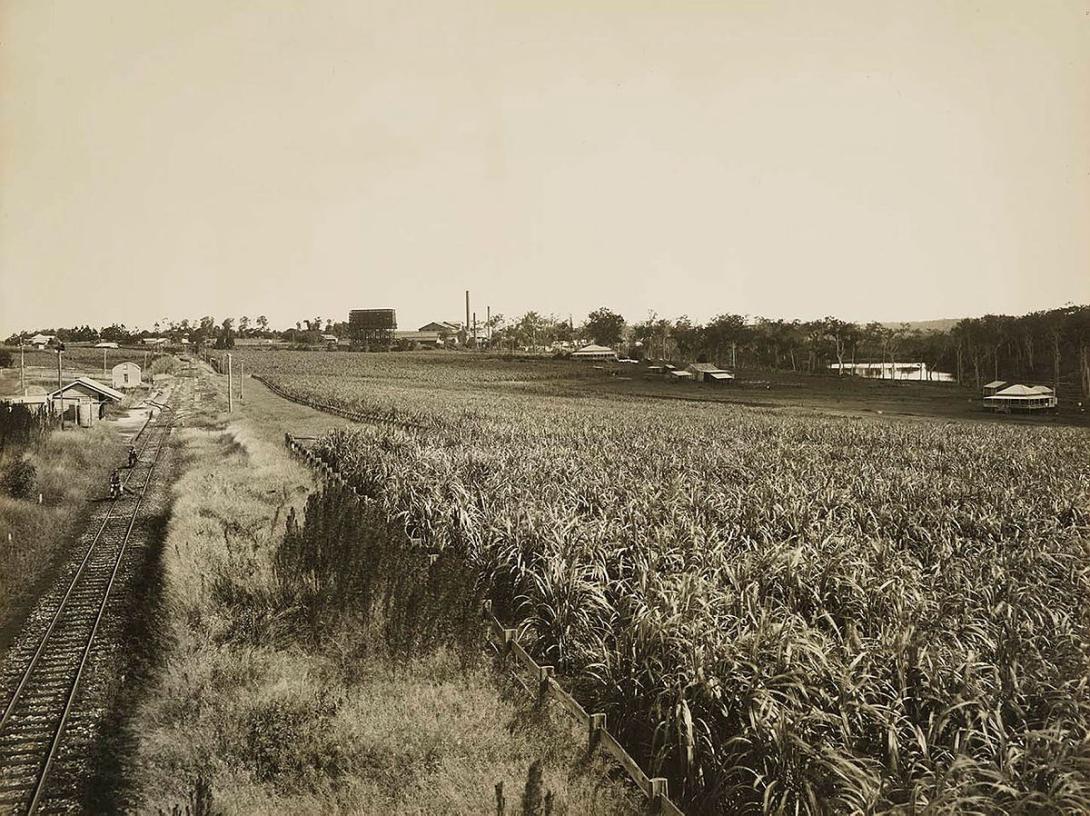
x=467, y=311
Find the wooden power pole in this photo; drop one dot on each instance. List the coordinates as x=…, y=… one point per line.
x=230, y=387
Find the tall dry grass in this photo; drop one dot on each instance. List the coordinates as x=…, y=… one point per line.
x=72, y=469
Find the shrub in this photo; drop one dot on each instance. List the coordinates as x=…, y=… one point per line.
x=6, y=358
x=19, y=478
x=163, y=365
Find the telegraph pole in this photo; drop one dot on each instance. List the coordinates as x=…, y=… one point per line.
x=60, y=385
x=104, y=364
x=230, y=387
x=22, y=367
x=241, y=379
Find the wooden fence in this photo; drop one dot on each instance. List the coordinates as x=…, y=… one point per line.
x=505, y=640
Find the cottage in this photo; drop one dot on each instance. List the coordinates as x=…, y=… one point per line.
x=1020, y=397
x=43, y=341
x=679, y=375
x=709, y=373
x=994, y=386
x=593, y=352
x=125, y=375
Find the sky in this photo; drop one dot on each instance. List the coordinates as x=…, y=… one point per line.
x=867, y=159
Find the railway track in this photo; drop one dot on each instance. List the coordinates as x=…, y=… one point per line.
x=39, y=687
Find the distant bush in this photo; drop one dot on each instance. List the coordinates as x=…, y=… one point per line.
x=6, y=358
x=164, y=365
x=18, y=479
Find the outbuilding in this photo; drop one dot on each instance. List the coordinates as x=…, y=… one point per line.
x=709, y=373
x=994, y=386
x=86, y=398
x=125, y=375
x=593, y=352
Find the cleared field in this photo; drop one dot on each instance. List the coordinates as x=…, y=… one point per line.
x=780, y=612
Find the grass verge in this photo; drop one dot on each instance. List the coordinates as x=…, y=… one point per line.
x=263, y=706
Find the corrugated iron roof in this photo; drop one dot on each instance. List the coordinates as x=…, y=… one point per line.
x=996, y=383
x=1017, y=390
x=93, y=385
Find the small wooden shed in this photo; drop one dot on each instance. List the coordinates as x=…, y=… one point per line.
x=83, y=391
x=994, y=387
x=125, y=375
x=709, y=373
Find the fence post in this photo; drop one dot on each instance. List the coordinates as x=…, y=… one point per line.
x=509, y=638
x=544, y=675
x=659, y=792
x=594, y=733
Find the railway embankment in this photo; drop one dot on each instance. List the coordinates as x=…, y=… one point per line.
x=267, y=700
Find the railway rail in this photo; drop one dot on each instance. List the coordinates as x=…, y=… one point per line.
x=41, y=686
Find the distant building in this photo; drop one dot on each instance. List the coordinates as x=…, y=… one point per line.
x=1020, y=397
x=42, y=341
x=431, y=339
x=125, y=375
x=106, y=344
x=593, y=352
x=993, y=386
x=893, y=371
x=155, y=341
x=709, y=373
x=36, y=404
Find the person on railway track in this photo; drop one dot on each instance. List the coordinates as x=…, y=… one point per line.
x=116, y=487
x=132, y=456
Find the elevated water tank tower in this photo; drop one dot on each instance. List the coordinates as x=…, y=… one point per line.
x=372, y=329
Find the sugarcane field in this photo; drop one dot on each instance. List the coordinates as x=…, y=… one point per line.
x=539, y=409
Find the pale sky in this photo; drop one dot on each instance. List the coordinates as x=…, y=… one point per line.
x=873, y=160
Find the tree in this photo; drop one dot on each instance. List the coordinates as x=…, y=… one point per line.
x=605, y=326
x=842, y=335
x=226, y=338
x=243, y=325
x=262, y=324
x=689, y=337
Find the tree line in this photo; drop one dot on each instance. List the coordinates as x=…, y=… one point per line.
x=1050, y=346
